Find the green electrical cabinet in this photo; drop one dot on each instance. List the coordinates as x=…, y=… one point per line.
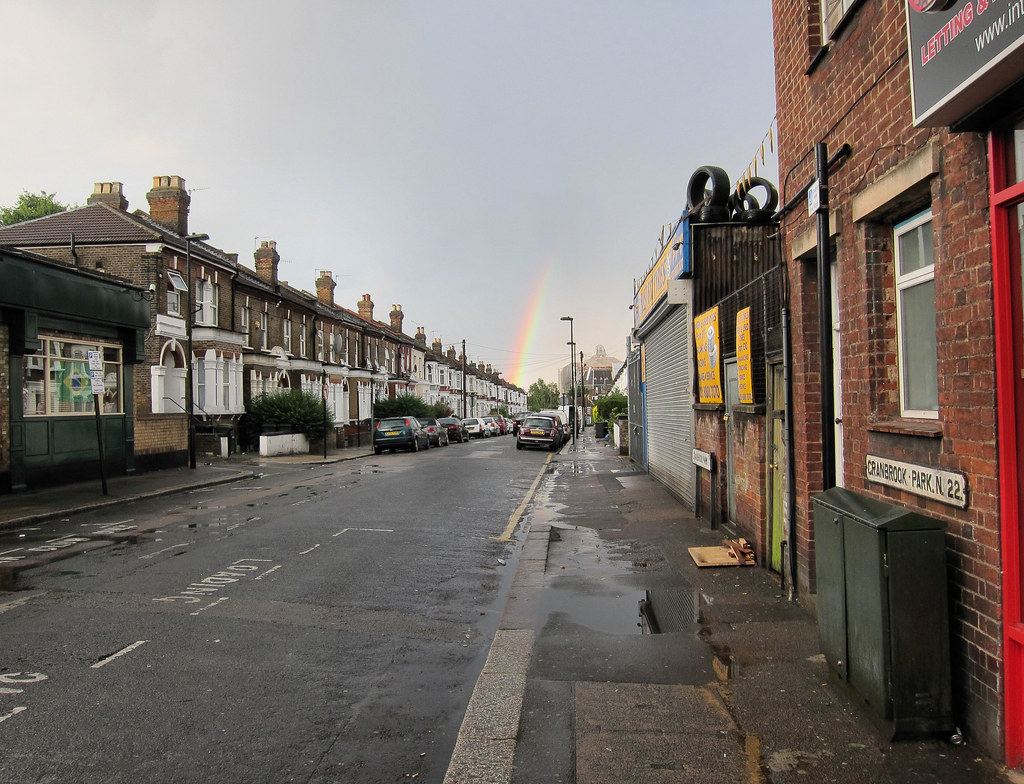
x=883, y=616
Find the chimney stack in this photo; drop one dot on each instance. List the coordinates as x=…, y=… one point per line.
x=436, y=347
x=396, y=318
x=267, y=259
x=366, y=308
x=168, y=203
x=451, y=353
x=421, y=336
x=110, y=193
x=325, y=286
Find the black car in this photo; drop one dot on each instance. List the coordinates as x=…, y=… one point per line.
x=456, y=430
x=518, y=419
x=399, y=433
x=437, y=433
x=539, y=431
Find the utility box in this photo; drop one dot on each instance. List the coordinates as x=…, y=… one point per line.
x=883, y=615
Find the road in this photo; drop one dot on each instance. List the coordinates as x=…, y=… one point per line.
x=320, y=624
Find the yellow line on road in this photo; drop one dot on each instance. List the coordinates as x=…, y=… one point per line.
x=513, y=521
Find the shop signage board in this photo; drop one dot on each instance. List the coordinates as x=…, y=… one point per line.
x=744, y=365
x=673, y=263
x=949, y=487
x=705, y=334
x=962, y=55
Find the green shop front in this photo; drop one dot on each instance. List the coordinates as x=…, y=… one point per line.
x=66, y=328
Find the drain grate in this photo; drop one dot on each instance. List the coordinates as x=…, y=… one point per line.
x=671, y=609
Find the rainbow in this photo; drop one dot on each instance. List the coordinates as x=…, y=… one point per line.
x=527, y=332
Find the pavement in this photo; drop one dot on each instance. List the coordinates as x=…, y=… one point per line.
x=576, y=688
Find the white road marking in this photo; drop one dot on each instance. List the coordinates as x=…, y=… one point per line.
x=311, y=549
x=28, y=677
x=211, y=604
x=374, y=530
x=271, y=569
x=14, y=712
x=18, y=602
x=122, y=652
x=172, y=547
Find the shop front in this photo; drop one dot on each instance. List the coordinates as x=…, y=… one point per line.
x=71, y=338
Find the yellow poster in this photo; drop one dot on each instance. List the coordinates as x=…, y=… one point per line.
x=743, y=365
x=705, y=334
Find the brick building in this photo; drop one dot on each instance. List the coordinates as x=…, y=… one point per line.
x=919, y=274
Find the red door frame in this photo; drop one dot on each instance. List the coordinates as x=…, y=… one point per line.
x=1009, y=344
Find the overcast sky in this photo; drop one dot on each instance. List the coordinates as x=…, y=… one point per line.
x=488, y=166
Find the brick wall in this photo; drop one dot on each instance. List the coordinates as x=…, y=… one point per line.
x=858, y=93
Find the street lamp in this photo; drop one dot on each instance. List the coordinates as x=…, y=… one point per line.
x=572, y=378
x=190, y=311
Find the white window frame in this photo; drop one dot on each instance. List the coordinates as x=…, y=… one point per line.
x=246, y=322
x=175, y=289
x=207, y=295
x=905, y=282
x=832, y=14
x=302, y=340
x=287, y=335
x=320, y=345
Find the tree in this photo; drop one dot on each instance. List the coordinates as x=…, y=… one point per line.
x=299, y=411
x=31, y=205
x=541, y=395
x=402, y=405
x=610, y=407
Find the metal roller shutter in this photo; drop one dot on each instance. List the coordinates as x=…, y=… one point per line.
x=669, y=408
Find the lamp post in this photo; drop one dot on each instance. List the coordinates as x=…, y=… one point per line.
x=323, y=394
x=583, y=395
x=572, y=378
x=190, y=410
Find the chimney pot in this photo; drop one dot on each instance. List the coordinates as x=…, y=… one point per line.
x=169, y=203
x=325, y=286
x=397, y=317
x=366, y=308
x=110, y=193
x=267, y=260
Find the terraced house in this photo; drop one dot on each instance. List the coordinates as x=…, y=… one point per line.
x=250, y=333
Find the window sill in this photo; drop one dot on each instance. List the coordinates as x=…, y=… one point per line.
x=926, y=428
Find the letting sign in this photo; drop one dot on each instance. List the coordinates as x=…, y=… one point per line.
x=949, y=487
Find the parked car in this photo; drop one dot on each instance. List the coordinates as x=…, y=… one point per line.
x=437, y=433
x=503, y=424
x=562, y=423
x=539, y=431
x=476, y=428
x=492, y=426
x=399, y=433
x=519, y=418
x=456, y=430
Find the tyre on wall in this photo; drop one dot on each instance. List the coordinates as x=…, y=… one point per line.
x=709, y=185
x=712, y=213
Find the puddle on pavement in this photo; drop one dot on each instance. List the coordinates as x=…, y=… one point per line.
x=591, y=582
x=611, y=610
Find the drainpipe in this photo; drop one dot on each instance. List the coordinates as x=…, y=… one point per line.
x=789, y=557
x=828, y=416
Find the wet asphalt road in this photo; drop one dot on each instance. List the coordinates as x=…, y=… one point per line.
x=315, y=624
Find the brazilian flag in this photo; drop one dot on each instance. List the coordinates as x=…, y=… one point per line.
x=74, y=388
